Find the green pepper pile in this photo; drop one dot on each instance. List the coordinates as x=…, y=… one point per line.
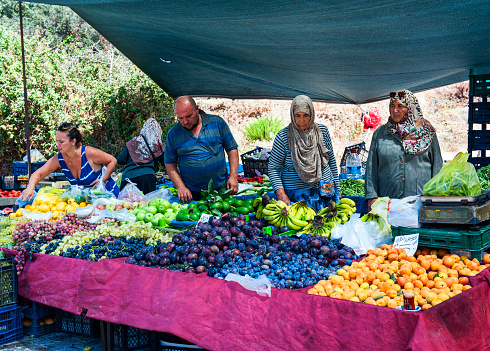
x=351, y=187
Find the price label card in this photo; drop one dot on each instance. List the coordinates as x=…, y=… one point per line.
x=204, y=218
x=267, y=230
x=407, y=242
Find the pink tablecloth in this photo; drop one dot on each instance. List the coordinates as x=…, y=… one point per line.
x=220, y=315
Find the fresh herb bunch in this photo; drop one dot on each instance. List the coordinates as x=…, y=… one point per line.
x=482, y=174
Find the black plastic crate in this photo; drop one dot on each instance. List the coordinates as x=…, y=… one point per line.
x=480, y=112
x=39, y=328
x=170, y=342
x=251, y=166
x=479, y=140
x=361, y=151
x=78, y=324
x=129, y=338
x=479, y=162
x=10, y=182
x=10, y=327
x=480, y=85
x=8, y=282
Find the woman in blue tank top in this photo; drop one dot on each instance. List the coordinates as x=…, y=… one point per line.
x=82, y=165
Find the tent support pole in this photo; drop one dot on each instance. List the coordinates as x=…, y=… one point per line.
x=26, y=107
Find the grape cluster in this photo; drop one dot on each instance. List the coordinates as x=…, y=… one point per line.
x=232, y=245
x=5, y=232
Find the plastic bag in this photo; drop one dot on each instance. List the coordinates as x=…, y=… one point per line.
x=37, y=216
x=19, y=203
x=361, y=236
x=131, y=193
x=121, y=215
x=380, y=207
x=48, y=194
x=261, y=285
x=36, y=156
x=372, y=119
x=161, y=193
x=456, y=178
x=404, y=212
x=74, y=192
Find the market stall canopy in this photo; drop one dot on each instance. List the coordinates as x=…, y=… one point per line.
x=336, y=51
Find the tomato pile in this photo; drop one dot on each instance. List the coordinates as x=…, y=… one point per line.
x=12, y=193
x=250, y=180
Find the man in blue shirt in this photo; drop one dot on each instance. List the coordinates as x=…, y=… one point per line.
x=197, y=143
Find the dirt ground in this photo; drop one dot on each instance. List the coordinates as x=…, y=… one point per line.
x=445, y=107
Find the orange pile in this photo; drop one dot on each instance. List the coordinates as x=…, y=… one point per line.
x=433, y=276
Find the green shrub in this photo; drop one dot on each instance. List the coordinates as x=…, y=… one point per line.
x=264, y=128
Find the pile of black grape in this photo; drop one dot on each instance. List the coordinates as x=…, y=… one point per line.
x=231, y=245
x=102, y=247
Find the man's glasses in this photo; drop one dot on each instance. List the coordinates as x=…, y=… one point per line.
x=400, y=93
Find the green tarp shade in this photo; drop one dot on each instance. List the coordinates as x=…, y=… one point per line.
x=336, y=51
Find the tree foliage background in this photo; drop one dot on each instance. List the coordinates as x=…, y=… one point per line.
x=73, y=74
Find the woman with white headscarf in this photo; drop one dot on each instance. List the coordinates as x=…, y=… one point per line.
x=404, y=153
x=302, y=157
x=140, y=155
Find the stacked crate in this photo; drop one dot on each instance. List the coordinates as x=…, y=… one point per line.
x=10, y=323
x=38, y=319
x=478, y=117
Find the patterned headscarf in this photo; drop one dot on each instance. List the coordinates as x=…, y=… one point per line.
x=415, y=131
x=150, y=136
x=308, y=153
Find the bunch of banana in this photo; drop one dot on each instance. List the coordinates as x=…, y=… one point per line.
x=277, y=214
x=300, y=210
x=345, y=208
x=369, y=217
x=321, y=227
x=257, y=205
x=330, y=211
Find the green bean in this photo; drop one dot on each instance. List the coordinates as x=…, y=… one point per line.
x=351, y=187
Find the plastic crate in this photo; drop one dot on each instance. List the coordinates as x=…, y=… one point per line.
x=78, y=325
x=20, y=168
x=170, y=342
x=250, y=166
x=480, y=85
x=8, y=282
x=10, y=182
x=10, y=327
x=473, y=241
x=36, y=310
x=38, y=330
x=479, y=162
x=361, y=151
x=130, y=338
x=480, y=112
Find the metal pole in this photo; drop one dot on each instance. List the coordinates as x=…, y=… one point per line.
x=26, y=107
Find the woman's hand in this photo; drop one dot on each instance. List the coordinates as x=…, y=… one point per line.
x=28, y=193
x=94, y=183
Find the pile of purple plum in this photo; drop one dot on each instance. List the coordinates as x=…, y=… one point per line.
x=232, y=245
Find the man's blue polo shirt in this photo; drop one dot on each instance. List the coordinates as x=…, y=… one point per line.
x=202, y=158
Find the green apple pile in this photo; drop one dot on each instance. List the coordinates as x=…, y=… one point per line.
x=158, y=212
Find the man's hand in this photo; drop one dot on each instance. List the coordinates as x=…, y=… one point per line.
x=371, y=202
x=232, y=184
x=184, y=195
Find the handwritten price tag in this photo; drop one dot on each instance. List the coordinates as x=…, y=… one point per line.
x=204, y=218
x=407, y=242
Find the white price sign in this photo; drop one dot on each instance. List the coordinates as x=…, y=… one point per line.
x=407, y=242
x=204, y=218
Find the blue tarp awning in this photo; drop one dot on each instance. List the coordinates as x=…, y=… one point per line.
x=348, y=51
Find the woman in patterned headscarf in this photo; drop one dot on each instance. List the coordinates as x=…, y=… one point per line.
x=301, y=157
x=404, y=153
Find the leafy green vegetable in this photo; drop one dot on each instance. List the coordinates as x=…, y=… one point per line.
x=351, y=187
x=482, y=174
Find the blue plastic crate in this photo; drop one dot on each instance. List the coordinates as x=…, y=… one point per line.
x=10, y=324
x=20, y=168
x=38, y=330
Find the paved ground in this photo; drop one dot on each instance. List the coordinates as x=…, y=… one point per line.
x=57, y=341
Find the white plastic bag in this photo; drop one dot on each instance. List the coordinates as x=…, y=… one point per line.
x=361, y=236
x=261, y=285
x=162, y=193
x=121, y=215
x=36, y=156
x=404, y=212
x=380, y=207
x=131, y=193
x=37, y=216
